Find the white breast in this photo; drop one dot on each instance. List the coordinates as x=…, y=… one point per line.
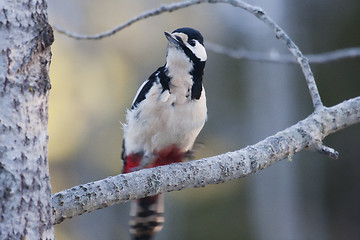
x=164, y=119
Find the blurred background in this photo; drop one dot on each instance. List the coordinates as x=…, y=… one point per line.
x=93, y=82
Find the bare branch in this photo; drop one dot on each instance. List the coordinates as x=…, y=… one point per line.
x=292, y=47
x=151, y=13
x=212, y=170
x=275, y=57
x=335, y=55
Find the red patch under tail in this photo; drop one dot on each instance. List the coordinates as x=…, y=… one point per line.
x=168, y=155
x=131, y=162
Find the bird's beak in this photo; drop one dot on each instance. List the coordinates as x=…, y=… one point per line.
x=172, y=40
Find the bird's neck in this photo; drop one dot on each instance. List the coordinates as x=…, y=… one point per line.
x=178, y=65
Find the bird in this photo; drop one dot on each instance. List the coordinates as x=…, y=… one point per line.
x=167, y=114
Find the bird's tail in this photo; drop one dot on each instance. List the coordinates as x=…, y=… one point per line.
x=146, y=217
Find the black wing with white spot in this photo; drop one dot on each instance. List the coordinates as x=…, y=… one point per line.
x=159, y=77
x=144, y=89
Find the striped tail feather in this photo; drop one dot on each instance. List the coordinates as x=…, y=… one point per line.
x=147, y=214
x=146, y=217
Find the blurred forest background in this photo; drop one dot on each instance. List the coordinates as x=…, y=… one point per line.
x=93, y=82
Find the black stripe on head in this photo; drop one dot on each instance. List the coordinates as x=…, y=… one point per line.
x=191, y=33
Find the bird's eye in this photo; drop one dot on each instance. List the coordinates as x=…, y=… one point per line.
x=192, y=42
x=178, y=38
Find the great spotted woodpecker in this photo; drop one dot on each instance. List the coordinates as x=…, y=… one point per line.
x=167, y=114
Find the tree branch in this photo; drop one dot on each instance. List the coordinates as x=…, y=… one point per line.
x=306, y=134
x=164, y=8
x=292, y=47
x=275, y=57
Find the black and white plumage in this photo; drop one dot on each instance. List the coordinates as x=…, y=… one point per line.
x=167, y=114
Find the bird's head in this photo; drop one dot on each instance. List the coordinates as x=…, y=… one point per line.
x=186, y=44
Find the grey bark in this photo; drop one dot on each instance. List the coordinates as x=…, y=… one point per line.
x=25, y=39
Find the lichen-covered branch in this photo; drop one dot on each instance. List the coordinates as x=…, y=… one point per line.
x=232, y=165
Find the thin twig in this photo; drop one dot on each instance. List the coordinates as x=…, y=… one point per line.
x=332, y=153
x=275, y=57
x=292, y=47
x=151, y=13
x=335, y=55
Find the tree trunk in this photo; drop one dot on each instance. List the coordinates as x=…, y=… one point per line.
x=25, y=39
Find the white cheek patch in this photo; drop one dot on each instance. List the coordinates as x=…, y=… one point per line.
x=198, y=50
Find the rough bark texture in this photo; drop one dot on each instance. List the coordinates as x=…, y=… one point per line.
x=25, y=39
x=306, y=134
